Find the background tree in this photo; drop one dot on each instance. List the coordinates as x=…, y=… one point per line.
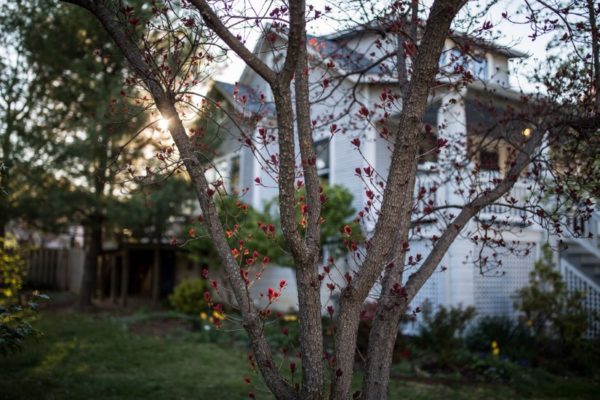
x=88, y=123
x=19, y=137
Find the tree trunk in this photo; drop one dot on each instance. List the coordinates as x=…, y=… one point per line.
x=156, y=274
x=3, y=222
x=93, y=250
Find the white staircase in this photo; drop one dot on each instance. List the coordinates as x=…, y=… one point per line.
x=579, y=264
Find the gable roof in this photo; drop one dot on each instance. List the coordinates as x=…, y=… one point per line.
x=244, y=98
x=382, y=27
x=345, y=58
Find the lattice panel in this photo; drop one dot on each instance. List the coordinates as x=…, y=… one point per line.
x=495, y=290
x=432, y=288
x=592, y=299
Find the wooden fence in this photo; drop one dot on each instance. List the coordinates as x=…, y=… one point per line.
x=59, y=269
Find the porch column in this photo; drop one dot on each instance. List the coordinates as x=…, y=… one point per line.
x=452, y=126
x=156, y=275
x=113, y=279
x=124, y=277
x=101, y=277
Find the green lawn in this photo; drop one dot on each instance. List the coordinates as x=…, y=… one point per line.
x=95, y=357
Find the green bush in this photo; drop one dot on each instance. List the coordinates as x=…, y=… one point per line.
x=550, y=309
x=16, y=310
x=188, y=297
x=513, y=339
x=440, y=334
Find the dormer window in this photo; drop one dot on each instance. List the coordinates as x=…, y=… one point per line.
x=454, y=61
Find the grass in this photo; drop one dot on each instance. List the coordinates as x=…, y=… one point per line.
x=81, y=357
x=96, y=357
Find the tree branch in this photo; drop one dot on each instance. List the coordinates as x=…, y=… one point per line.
x=214, y=23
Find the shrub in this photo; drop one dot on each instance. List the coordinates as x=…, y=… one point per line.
x=12, y=270
x=552, y=311
x=188, y=297
x=440, y=333
x=513, y=339
x=14, y=316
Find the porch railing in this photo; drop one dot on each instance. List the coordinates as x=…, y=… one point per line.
x=576, y=280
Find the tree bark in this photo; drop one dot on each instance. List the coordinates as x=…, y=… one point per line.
x=93, y=248
x=309, y=293
x=400, y=183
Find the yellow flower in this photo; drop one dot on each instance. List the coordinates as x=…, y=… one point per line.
x=218, y=315
x=203, y=316
x=496, y=352
x=290, y=318
x=494, y=344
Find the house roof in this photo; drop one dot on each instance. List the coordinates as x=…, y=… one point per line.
x=244, y=98
x=488, y=46
x=381, y=27
x=345, y=58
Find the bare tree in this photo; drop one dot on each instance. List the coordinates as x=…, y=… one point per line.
x=419, y=35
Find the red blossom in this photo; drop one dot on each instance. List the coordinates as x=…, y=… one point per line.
x=330, y=311
x=347, y=230
x=272, y=295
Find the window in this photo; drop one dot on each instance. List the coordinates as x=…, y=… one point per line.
x=322, y=161
x=234, y=175
x=489, y=160
x=428, y=150
x=454, y=60
x=479, y=67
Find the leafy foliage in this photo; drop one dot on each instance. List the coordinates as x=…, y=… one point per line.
x=338, y=230
x=148, y=212
x=12, y=269
x=14, y=317
x=260, y=231
x=188, y=297
x=549, y=307
x=242, y=223
x=440, y=332
x=512, y=339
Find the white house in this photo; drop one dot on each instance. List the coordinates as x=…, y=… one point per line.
x=345, y=75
